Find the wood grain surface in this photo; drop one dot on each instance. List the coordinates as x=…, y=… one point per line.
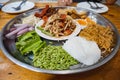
x=109, y=71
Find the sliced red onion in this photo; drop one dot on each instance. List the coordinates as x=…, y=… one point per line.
x=15, y=31
x=31, y=28
x=23, y=31
x=12, y=29
x=19, y=25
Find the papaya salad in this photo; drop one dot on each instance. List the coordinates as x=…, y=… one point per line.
x=85, y=48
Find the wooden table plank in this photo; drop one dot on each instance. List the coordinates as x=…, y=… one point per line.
x=109, y=71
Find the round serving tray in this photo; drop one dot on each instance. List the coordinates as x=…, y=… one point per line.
x=9, y=49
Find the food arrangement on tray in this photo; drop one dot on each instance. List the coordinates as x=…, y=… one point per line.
x=61, y=38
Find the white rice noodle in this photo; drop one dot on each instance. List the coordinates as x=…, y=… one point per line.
x=32, y=20
x=86, y=52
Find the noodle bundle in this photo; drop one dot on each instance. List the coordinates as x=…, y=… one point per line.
x=103, y=36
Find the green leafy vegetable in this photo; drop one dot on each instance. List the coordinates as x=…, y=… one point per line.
x=29, y=42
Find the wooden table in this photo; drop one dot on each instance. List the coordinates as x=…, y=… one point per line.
x=109, y=71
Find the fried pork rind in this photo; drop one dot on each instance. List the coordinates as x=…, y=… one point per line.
x=73, y=13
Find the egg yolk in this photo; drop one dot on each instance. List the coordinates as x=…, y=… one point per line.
x=90, y=21
x=82, y=22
